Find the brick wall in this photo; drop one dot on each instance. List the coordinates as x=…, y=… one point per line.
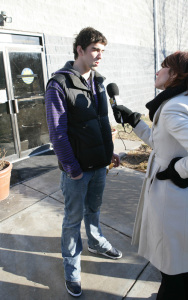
x=129, y=59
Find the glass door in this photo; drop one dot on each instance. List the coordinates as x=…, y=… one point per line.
x=28, y=91
x=26, y=132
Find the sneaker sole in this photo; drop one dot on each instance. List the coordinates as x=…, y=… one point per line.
x=72, y=294
x=104, y=254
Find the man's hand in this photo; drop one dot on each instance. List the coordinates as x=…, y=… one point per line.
x=77, y=177
x=115, y=160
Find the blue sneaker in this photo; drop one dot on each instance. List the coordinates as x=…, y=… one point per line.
x=73, y=288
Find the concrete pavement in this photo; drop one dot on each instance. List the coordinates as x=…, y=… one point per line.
x=30, y=253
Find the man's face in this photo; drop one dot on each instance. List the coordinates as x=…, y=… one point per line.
x=92, y=56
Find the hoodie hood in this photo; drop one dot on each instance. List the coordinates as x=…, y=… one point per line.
x=68, y=69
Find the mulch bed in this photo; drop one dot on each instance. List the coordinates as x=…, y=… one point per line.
x=137, y=159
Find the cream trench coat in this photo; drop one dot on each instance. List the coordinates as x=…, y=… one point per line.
x=161, y=225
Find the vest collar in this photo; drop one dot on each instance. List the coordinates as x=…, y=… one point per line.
x=77, y=79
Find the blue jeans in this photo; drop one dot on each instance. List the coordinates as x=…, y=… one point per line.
x=83, y=199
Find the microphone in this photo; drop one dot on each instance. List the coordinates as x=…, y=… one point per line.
x=113, y=92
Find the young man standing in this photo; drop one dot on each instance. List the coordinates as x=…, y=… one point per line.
x=80, y=132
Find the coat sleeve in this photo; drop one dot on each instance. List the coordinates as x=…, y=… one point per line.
x=176, y=121
x=143, y=131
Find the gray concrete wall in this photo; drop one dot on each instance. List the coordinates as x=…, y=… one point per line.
x=129, y=58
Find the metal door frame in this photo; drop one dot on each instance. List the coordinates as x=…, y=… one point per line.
x=6, y=48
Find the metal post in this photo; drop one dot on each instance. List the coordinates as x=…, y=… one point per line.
x=156, y=40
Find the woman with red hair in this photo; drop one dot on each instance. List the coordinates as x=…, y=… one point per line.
x=161, y=225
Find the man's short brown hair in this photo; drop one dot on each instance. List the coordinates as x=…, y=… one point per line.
x=86, y=37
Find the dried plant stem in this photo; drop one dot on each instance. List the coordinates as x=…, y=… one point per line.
x=2, y=159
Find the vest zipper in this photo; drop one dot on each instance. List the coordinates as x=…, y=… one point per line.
x=95, y=107
x=99, y=119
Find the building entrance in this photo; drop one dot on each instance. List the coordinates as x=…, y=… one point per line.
x=23, y=128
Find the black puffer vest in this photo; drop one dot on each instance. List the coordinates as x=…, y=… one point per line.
x=89, y=130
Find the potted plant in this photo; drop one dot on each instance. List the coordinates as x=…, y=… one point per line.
x=5, y=174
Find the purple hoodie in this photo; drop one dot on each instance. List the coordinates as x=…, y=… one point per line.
x=56, y=112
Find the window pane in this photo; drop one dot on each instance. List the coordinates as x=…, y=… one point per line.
x=20, y=39
x=28, y=87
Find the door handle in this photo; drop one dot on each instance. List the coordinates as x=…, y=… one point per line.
x=8, y=108
x=12, y=108
x=15, y=106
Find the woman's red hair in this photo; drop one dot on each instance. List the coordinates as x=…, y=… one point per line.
x=178, y=64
